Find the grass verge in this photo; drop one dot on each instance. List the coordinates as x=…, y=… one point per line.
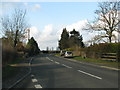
x=57, y=54
x=9, y=71
x=97, y=61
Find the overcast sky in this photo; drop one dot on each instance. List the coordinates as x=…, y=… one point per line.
x=47, y=19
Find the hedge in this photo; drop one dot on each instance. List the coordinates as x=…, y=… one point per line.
x=103, y=48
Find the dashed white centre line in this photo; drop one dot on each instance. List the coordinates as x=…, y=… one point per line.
x=34, y=80
x=49, y=59
x=38, y=86
x=90, y=74
x=66, y=66
x=57, y=62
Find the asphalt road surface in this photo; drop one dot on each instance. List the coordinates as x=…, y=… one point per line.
x=49, y=71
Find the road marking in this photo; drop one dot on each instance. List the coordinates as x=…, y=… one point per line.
x=66, y=66
x=73, y=60
x=32, y=76
x=89, y=74
x=34, y=80
x=110, y=68
x=21, y=77
x=38, y=86
x=57, y=62
x=49, y=59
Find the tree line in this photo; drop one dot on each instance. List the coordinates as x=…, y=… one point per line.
x=70, y=39
x=14, y=30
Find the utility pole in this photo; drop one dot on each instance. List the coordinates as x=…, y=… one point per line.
x=28, y=33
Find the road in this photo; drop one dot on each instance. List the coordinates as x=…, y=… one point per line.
x=49, y=71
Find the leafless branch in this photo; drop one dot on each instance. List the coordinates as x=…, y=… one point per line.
x=108, y=20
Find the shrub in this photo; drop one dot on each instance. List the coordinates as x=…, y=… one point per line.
x=118, y=53
x=95, y=51
x=8, y=52
x=103, y=48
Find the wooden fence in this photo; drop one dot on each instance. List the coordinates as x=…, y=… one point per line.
x=109, y=56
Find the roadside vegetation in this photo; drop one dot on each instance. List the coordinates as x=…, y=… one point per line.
x=92, y=54
x=9, y=71
x=72, y=39
x=15, y=30
x=57, y=54
x=103, y=48
x=14, y=48
x=97, y=61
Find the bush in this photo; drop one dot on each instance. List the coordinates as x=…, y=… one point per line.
x=8, y=52
x=118, y=53
x=68, y=49
x=103, y=48
x=20, y=47
x=95, y=51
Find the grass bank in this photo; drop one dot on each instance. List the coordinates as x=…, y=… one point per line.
x=57, y=54
x=9, y=71
x=97, y=61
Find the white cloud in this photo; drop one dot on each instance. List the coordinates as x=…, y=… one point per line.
x=5, y=7
x=25, y=4
x=34, y=32
x=116, y=36
x=77, y=26
x=33, y=7
x=46, y=33
x=48, y=37
x=45, y=37
x=37, y=6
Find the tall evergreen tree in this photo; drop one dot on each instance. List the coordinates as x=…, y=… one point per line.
x=64, y=41
x=76, y=39
x=32, y=47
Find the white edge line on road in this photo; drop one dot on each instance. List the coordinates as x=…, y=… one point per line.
x=73, y=60
x=66, y=66
x=111, y=68
x=22, y=77
x=90, y=74
x=38, y=86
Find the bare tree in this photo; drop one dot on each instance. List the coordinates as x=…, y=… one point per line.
x=14, y=27
x=107, y=20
